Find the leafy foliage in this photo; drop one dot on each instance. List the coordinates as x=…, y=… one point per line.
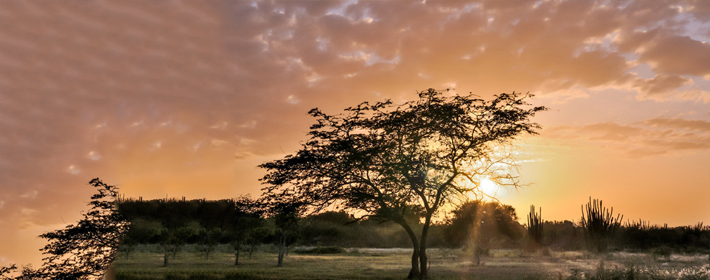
x=396, y=161
x=483, y=224
x=85, y=250
x=7, y=270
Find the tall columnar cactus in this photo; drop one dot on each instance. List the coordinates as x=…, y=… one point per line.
x=535, y=232
x=599, y=225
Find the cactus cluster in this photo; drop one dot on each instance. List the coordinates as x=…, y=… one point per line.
x=535, y=232
x=599, y=225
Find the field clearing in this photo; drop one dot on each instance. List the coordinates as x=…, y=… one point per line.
x=371, y=263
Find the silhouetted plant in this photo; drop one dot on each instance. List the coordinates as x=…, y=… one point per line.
x=84, y=250
x=245, y=225
x=599, y=225
x=639, y=225
x=535, y=226
x=479, y=224
x=387, y=160
x=209, y=238
x=6, y=270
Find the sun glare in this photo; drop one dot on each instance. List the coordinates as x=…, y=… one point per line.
x=488, y=187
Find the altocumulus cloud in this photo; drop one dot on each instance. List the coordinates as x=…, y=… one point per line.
x=136, y=92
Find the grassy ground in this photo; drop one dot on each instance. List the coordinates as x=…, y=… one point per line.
x=394, y=264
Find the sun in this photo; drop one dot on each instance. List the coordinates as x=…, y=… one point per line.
x=488, y=187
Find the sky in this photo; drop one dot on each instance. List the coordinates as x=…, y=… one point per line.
x=172, y=98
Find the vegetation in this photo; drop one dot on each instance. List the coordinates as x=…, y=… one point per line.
x=535, y=227
x=392, y=263
x=599, y=225
x=340, y=229
x=85, y=250
x=402, y=163
x=483, y=225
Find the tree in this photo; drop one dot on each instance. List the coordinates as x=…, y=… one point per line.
x=390, y=161
x=247, y=220
x=285, y=217
x=87, y=249
x=173, y=238
x=209, y=238
x=479, y=224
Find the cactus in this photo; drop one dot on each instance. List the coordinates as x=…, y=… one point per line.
x=599, y=225
x=535, y=232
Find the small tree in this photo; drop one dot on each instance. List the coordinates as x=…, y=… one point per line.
x=247, y=219
x=599, y=225
x=142, y=231
x=286, y=218
x=388, y=161
x=209, y=238
x=172, y=239
x=535, y=229
x=478, y=225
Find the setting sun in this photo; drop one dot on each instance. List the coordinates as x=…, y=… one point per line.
x=488, y=187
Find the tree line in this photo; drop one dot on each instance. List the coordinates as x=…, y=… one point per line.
x=85, y=250
x=477, y=226
x=173, y=223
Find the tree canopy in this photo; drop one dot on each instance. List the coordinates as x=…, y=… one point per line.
x=84, y=250
x=394, y=161
x=87, y=249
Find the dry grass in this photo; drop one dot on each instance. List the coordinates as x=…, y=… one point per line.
x=394, y=264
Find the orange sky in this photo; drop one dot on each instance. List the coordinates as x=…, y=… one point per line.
x=186, y=98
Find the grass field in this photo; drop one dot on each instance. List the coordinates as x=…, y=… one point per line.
x=394, y=264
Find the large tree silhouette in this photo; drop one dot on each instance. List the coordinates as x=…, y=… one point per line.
x=393, y=162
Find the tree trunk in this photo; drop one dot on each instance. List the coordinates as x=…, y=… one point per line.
x=424, y=270
x=422, y=249
x=165, y=257
x=251, y=250
x=282, y=248
x=414, y=272
x=236, y=254
x=110, y=274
